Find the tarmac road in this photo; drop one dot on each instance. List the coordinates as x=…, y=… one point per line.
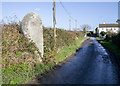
x=90, y=65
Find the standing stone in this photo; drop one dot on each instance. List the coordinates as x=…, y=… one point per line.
x=31, y=27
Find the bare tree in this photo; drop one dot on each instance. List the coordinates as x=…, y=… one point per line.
x=76, y=29
x=85, y=27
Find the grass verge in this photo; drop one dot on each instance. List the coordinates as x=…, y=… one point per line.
x=68, y=50
x=19, y=61
x=63, y=54
x=111, y=47
x=21, y=73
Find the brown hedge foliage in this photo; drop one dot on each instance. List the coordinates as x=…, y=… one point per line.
x=16, y=49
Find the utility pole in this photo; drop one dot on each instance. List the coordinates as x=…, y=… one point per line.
x=69, y=22
x=76, y=24
x=54, y=23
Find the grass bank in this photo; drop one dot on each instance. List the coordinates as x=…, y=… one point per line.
x=111, y=47
x=19, y=61
x=68, y=50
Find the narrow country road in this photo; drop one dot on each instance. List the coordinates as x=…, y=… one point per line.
x=90, y=65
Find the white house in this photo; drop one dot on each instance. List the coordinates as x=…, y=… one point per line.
x=115, y=28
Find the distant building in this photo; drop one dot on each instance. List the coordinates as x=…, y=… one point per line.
x=115, y=28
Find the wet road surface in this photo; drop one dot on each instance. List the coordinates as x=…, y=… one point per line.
x=90, y=65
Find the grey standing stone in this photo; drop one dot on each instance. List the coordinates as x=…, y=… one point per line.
x=31, y=27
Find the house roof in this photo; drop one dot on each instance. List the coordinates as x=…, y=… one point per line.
x=109, y=25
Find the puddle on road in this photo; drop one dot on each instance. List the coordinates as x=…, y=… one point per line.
x=103, y=62
x=103, y=55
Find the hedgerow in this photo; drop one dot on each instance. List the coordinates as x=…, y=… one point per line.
x=19, y=61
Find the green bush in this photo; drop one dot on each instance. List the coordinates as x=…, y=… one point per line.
x=114, y=38
x=103, y=33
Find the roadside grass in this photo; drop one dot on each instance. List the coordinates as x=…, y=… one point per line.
x=68, y=50
x=61, y=56
x=21, y=73
x=111, y=47
x=16, y=74
x=19, y=61
x=97, y=37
